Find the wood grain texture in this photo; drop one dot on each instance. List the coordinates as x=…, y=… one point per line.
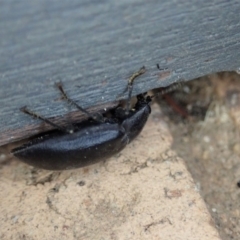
x=97, y=45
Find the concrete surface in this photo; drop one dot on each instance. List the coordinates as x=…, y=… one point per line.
x=145, y=192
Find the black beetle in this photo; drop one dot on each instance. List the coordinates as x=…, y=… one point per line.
x=90, y=141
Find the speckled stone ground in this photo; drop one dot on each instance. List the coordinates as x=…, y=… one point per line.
x=145, y=192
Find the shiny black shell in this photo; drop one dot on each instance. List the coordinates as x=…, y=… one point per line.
x=91, y=142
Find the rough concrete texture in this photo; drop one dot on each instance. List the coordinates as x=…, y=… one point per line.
x=209, y=143
x=143, y=193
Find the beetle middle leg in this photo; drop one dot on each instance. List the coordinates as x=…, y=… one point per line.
x=97, y=117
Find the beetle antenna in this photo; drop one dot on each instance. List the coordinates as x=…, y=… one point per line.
x=97, y=117
x=129, y=88
x=35, y=115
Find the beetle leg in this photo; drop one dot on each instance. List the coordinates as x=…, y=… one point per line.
x=35, y=115
x=97, y=117
x=141, y=71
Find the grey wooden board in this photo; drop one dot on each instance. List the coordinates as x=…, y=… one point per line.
x=97, y=45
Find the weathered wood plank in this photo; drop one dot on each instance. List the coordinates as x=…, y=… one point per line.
x=97, y=45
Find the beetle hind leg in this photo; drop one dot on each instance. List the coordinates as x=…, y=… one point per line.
x=35, y=115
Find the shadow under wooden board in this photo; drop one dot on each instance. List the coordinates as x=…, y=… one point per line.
x=94, y=46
